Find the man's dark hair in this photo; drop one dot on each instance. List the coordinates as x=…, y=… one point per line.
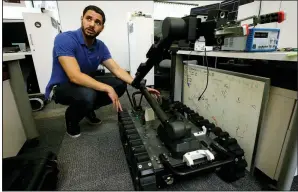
x=97, y=10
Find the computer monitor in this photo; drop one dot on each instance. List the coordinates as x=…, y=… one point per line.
x=14, y=32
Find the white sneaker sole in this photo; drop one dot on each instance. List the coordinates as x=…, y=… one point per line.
x=89, y=122
x=73, y=136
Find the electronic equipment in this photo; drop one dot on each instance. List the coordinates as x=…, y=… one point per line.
x=200, y=45
x=236, y=37
x=158, y=158
x=191, y=28
x=257, y=40
x=14, y=32
x=159, y=151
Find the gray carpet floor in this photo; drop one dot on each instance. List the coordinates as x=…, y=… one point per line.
x=96, y=160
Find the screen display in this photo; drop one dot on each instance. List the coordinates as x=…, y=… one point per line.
x=261, y=35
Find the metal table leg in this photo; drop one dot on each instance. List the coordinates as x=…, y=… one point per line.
x=178, y=76
x=22, y=99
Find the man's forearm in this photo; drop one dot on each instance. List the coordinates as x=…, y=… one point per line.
x=87, y=81
x=124, y=76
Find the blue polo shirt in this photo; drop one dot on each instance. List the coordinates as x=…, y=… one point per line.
x=71, y=43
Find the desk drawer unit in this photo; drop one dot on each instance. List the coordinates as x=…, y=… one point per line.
x=275, y=131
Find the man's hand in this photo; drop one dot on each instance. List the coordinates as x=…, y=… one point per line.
x=114, y=97
x=122, y=74
x=153, y=91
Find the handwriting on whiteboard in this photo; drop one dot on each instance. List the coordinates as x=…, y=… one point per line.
x=224, y=94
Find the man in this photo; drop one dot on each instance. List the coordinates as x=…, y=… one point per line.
x=76, y=55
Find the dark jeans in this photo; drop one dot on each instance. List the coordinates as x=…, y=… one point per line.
x=82, y=100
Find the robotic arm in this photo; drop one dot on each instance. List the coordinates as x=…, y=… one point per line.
x=172, y=29
x=186, y=28
x=189, y=28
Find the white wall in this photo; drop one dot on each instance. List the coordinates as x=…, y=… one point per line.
x=203, y=3
x=288, y=35
x=51, y=6
x=115, y=34
x=15, y=12
x=163, y=10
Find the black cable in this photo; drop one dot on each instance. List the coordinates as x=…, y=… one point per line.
x=207, y=71
x=260, y=7
x=129, y=98
x=207, y=76
x=141, y=100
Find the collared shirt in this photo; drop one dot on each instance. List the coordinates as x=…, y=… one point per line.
x=71, y=43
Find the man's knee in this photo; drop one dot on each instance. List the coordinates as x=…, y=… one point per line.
x=120, y=88
x=86, y=97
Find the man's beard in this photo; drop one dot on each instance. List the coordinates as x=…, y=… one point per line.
x=89, y=36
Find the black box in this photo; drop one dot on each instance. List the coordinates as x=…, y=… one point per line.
x=32, y=172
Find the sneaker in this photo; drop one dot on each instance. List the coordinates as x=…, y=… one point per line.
x=72, y=129
x=92, y=119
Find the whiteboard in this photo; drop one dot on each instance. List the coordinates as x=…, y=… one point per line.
x=232, y=101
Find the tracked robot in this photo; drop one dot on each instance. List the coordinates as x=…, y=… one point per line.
x=180, y=143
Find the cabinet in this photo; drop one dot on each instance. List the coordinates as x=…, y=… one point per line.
x=141, y=37
x=13, y=131
x=41, y=30
x=276, y=127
